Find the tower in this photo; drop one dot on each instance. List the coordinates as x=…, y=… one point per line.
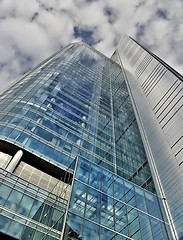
x=157, y=88
x=77, y=158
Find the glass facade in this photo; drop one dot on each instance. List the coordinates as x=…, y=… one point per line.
x=105, y=205
x=77, y=103
x=157, y=88
x=27, y=211
x=74, y=113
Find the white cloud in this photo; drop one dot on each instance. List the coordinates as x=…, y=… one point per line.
x=163, y=33
x=58, y=27
x=21, y=9
x=27, y=37
x=34, y=29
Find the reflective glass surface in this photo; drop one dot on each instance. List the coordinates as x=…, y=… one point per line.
x=157, y=94
x=120, y=210
x=76, y=104
x=27, y=211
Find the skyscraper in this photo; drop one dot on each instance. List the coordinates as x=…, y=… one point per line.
x=84, y=148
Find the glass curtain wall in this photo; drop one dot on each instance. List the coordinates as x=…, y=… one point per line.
x=76, y=105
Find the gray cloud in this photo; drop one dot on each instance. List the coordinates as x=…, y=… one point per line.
x=32, y=30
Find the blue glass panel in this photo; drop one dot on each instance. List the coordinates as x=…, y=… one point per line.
x=13, y=200
x=15, y=133
x=130, y=194
x=64, y=159
x=75, y=151
x=23, y=137
x=4, y=193
x=72, y=137
x=133, y=221
x=73, y=228
x=151, y=204
x=23, y=123
x=56, y=155
x=4, y=223
x=25, y=205
x=7, y=118
x=156, y=229
x=83, y=170
x=91, y=231
x=6, y=131
x=106, y=234
x=119, y=189
x=38, y=146
x=107, y=182
x=1, y=117
x=44, y=134
x=107, y=211
x=78, y=196
x=140, y=198
x=35, y=208
x=48, y=151
x=15, y=110
x=93, y=205
x=146, y=230
x=119, y=237
x=15, y=120
x=121, y=218
x=105, y=165
x=68, y=147
x=95, y=176
x=15, y=229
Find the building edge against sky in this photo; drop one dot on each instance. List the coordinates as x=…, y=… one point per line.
x=156, y=91
x=60, y=123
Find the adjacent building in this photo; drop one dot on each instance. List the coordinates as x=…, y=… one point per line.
x=90, y=148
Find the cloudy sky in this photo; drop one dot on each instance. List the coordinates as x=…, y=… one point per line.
x=31, y=30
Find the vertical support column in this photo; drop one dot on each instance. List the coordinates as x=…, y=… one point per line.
x=14, y=161
x=112, y=123
x=68, y=203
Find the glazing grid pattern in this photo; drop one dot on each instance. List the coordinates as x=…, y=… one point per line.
x=105, y=206
x=27, y=211
x=76, y=103
x=76, y=106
